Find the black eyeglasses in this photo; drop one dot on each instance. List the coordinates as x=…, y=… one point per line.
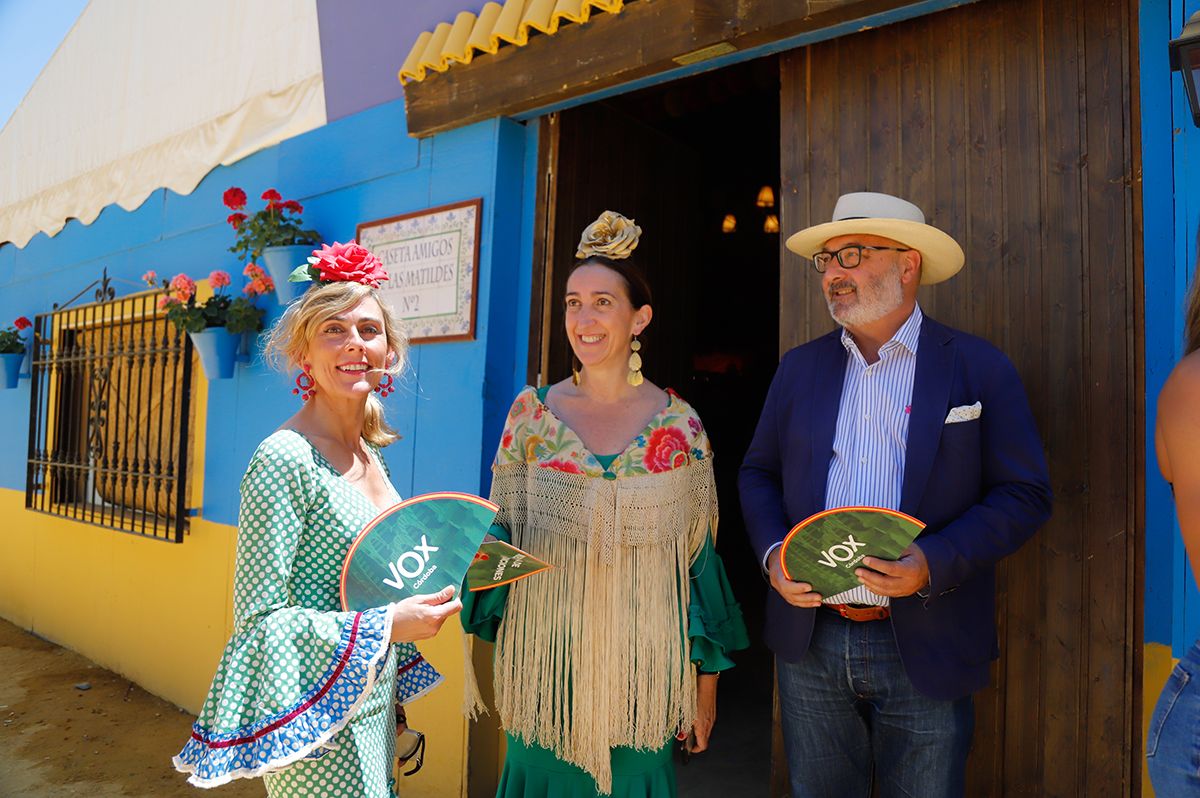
x=849, y=257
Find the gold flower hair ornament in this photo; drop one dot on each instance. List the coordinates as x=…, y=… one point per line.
x=612, y=236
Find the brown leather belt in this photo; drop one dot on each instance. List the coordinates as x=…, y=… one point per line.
x=860, y=612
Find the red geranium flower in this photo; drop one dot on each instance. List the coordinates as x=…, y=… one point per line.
x=293, y=206
x=236, y=219
x=348, y=263
x=235, y=198
x=271, y=195
x=666, y=449
x=22, y=323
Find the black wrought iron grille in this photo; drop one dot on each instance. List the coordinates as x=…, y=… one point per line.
x=110, y=418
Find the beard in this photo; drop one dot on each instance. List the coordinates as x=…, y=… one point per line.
x=871, y=301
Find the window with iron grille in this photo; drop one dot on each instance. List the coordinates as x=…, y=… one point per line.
x=110, y=417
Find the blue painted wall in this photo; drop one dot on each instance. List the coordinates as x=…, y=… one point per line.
x=1171, y=197
x=450, y=405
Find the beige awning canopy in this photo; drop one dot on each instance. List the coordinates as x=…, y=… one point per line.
x=511, y=23
x=145, y=94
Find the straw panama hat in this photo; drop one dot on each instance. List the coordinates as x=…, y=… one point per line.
x=890, y=217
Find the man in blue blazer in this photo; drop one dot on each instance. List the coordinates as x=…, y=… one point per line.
x=898, y=411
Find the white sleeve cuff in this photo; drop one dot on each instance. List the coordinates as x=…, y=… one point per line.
x=767, y=557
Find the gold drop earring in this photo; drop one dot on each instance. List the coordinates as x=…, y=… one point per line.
x=575, y=366
x=635, y=363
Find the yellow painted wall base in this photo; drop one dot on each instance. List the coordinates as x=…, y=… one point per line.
x=160, y=614
x=1157, y=664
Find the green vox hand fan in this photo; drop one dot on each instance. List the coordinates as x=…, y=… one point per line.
x=825, y=548
x=421, y=545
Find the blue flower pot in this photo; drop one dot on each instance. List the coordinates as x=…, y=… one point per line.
x=280, y=262
x=218, y=350
x=12, y=367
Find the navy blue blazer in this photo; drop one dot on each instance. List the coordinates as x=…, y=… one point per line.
x=980, y=486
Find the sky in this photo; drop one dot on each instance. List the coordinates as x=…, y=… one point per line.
x=30, y=32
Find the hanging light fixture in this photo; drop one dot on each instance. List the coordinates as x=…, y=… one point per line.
x=766, y=197
x=771, y=225
x=729, y=223
x=1185, y=57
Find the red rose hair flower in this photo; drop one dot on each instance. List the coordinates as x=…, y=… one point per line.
x=235, y=199
x=347, y=263
x=22, y=323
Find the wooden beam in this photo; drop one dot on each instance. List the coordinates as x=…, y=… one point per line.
x=645, y=39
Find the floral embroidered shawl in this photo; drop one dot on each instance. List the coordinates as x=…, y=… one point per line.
x=593, y=654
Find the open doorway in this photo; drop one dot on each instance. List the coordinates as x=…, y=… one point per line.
x=696, y=163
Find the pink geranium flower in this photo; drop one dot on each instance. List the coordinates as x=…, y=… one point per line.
x=218, y=279
x=150, y=278
x=182, y=287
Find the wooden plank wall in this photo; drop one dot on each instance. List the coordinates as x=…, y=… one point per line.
x=1009, y=122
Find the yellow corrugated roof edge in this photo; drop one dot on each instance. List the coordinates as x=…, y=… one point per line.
x=511, y=23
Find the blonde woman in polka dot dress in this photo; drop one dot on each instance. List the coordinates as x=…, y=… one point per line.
x=305, y=695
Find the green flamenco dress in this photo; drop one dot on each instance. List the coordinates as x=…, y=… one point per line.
x=714, y=625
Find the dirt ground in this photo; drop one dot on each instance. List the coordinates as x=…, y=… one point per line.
x=113, y=740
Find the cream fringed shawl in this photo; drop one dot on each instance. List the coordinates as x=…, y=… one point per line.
x=593, y=654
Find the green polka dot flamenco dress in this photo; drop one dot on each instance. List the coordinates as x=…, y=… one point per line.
x=304, y=692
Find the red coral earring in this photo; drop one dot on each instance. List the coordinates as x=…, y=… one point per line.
x=384, y=388
x=306, y=386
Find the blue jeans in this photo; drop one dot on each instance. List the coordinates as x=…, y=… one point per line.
x=1173, y=744
x=849, y=712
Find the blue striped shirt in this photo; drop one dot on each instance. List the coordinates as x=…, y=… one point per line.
x=867, y=468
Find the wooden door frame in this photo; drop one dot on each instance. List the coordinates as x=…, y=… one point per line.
x=542, y=283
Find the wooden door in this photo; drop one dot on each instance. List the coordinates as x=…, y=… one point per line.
x=609, y=159
x=1009, y=122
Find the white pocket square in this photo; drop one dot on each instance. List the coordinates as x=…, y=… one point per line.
x=964, y=413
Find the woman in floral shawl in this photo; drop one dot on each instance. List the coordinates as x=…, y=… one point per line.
x=603, y=660
x=306, y=695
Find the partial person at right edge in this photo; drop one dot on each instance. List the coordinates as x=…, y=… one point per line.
x=1172, y=746
x=892, y=410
